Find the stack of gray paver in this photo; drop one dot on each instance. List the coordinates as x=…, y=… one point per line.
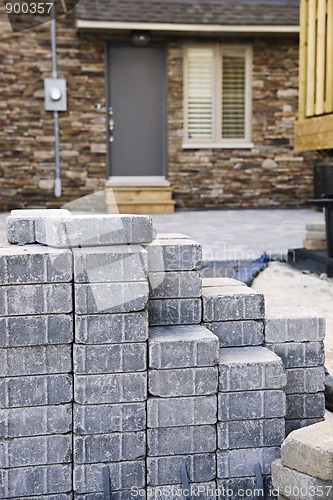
x=36, y=332
x=296, y=335
x=181, y=408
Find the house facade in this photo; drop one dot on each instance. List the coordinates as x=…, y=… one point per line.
x=197, y=97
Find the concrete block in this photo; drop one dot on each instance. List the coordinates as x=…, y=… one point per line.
x=174, y=312
x=171, y=236
x=310, y=450
x=112, y=358
x=315, y=244
x=237, y=333
x=251, y=405
x=240, y=463
x=116, y=495
x=218, y=282
x=34, y=264
x=111, y=328
x=250, y=433
x=104, y=419
x=316, y=235
x=35, y=421
x=115, y=447
x=250, y=368
x=58, y=496
x=181, y=440
x=299, y=354
x=110, y=264
x=115, y=388
x=39, y=450
x=125, y=475
x=183, y=382
x=299, y=423
x=200, y=491
x=35, y=481
x=293, y=324
x=174, y=255
x=180, y=412
x=38, y=390
x=305, y=380
x=315, y=226
x=245, y=487
x=37, y=360
x=296, y=485
x=120, y=297
x=175, y=284
x=166, y=470
x=54, y=298
x=20, y=331
x=93, y=230
x=182, y=347
x=232, y=303
x=305, y=405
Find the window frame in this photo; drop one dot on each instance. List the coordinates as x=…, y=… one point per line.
x=217, y=141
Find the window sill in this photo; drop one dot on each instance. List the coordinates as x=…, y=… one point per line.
x=219, y=145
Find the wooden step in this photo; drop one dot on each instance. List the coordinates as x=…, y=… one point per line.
x=140, y=194
x=153, y=207
x=140, y=199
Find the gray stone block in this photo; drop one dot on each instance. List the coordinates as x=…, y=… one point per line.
x=20, y=331
x=38, y=390
x=305, y=405
x=181, y=440
x=21, y=230
x=237, y=333
x=166, y=470
x=58, y=496
x=37, y=360
x=232, y=303
x=20, y=300
x=115, y=447
x=200, y=491
x=250, y=368
x=250, y=433
x=183, y=382
x=112, y=358
x=171, y=236
x=237, y=488
x=299, y=423
x=35, y=421
x=251, y=405
x=293, y=324
x=116, y=495
x=240, y=463
x=299, y=354
x=115, y=388
x=39, y=450
x=174, y=312
x=35, y=481
x=104, y=419
x=110, y=264
x=178, y=412
x=174, y=255
x=124, y=475
x=93, y=230
x=175, y=284
x=305, y=380
x=111, y=328
x=182, y=347
x=218, y=282
x=104, y=298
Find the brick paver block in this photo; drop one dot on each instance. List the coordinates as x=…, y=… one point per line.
x=51, y=329
x=232, y=303
x=21, y=300
x=293, y=324
x=235, y=488
x=34, y=264
x=174, y=255
x=299, y=354
x=175, y=284
x=180, y=412
x=218, y=282
x=117, y=297
x=109, y=264
x=181, y=440
x=112, y=358
x=249, y=369
x=305, y=380
x=250, y=433
x=111, y=328
x=182, y=347
x=251, y=405
x=200, y=491
x=237, y=333
x=170, y=312
x=305, y=405
x=104, y=419
x=37, y=360
x=115, y=447
x=240, y=463
x=299, y=423
x=115, y=388
x=288, y=480
x=183, y=382
x=166, y=470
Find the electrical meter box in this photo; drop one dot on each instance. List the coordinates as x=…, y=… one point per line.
x=55, y=94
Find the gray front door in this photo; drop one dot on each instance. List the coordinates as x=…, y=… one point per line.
x=137, y=96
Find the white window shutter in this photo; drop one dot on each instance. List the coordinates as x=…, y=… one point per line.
x=233, y=95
